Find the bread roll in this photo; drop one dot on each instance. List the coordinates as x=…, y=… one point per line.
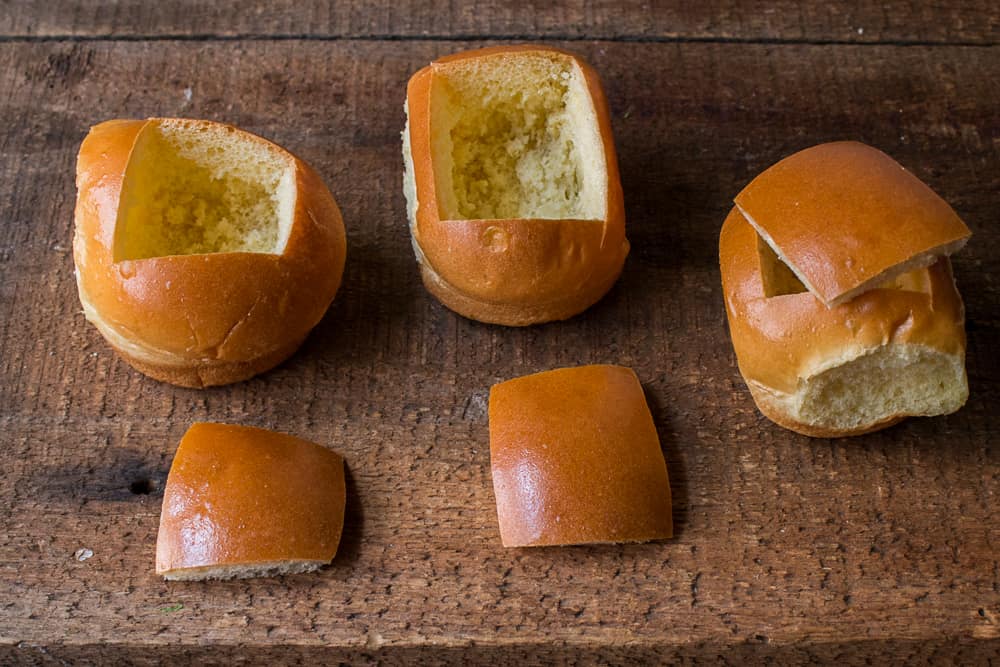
x=846, y=217
x=888, y=351
x=512, y=185
x=246, y=502
x=204, y=254
x=576, y=459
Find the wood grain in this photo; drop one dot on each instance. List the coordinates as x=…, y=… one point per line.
x=787, y=548
x=969, y=22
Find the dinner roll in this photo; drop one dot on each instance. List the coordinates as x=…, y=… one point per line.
x=576, y=459
x=247, y=502
x=842, y=307
x=204, y=254
x=512, y=185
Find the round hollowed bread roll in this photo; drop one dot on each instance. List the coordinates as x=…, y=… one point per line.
x=512, y=184
x=894, y=351
x=576, y=459
x=246, y=502
x=204, y=254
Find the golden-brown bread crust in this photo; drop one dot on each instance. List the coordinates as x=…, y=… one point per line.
x=883, y=217
x=238, y=496
x=784, y=339
x=203, y=319
x=576, y=459
x=513, y=271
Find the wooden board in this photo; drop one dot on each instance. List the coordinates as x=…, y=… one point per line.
x=902, y=21
x=787, y=548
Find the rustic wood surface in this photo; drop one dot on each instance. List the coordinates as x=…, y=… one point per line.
x=971, y=21
x=882, y=548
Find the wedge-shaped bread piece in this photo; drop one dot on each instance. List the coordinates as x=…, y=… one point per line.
x=247, y=502
x=896, y=350
x=204, y=254
x=576, y=459
x=845, y=218
x=512, y=184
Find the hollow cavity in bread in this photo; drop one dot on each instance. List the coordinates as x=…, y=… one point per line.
x=778, y=279
x=517, y=137
x=194, y=189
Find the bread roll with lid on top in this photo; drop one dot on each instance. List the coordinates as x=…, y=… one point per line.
x=576, y=459
x=204, y=254
x=512, y=185
x=846, y=217
x=893, y=349
x=246, y=502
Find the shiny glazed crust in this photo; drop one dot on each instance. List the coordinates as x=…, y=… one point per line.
x=514, y=272
x=239, y=497
x=886, y=220
x=576, y=459
x=206, y=319
x=781, y=340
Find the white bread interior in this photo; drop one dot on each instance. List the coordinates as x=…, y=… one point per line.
x=203, y=188
x=880, y=386
x=243, y=571
x=410, y=190
x=513, y=137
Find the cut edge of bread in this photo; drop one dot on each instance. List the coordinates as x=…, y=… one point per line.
x=871, y=391
x=200, y=187
x=243, y=570
x=917, y=261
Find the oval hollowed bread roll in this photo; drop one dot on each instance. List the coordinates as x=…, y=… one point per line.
x=247, y=502
x=204, y=254
x=512, y=185
x=576, y=459
x=896, y=348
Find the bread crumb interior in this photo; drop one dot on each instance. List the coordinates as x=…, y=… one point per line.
x=244, y=570
x=516, y=136
x=893, y=380
x=191, y=189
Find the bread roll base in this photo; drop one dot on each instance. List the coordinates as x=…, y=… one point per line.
x=512, y=315
x=208, y=373
x=774, y=411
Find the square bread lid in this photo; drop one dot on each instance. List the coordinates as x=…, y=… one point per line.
x=846, y=217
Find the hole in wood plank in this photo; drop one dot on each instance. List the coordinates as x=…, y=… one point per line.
x=141, y=487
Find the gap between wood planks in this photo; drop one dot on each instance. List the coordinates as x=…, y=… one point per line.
x=474, y=37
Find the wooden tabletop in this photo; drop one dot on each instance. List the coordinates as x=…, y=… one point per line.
x=879, y=548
